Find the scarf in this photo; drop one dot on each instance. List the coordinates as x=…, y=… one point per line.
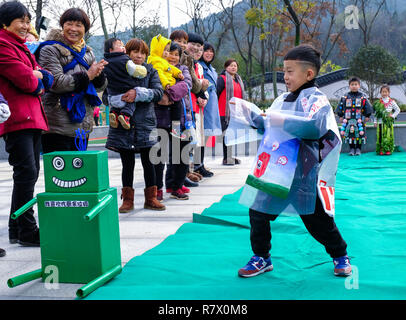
x=230, y=91
x=78, y=46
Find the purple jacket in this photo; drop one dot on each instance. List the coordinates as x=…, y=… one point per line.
x=2, y=100
x=176, y=93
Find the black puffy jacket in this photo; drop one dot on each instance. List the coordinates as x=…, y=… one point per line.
x=142, y=133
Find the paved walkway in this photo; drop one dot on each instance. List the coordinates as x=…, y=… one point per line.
x=140, y=230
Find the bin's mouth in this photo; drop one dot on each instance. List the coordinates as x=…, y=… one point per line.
x=69, y=184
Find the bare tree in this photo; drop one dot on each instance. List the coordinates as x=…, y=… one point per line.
x=199, y=12
x=295, y=20
x=115, y=8
x=37, y=7
x=241, y=31
x=369, y=16
x=102, y=20
x=133, y=6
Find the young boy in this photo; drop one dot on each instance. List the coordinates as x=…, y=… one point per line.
x=354, y=110
x=121, y=73
x=305, y=114
x=168, y=75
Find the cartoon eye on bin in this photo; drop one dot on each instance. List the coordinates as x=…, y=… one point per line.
x=58, y=163
x=77, y=163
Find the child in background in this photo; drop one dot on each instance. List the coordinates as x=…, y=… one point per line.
x=354, y=110
x=96, y=115
x=386, y=110
x=32, y=40
x=168, y=75
x=318, y=151
x=121, y=73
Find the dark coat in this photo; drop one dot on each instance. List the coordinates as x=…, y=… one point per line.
x=19, y=86
x=119, y=81
x=142, y=133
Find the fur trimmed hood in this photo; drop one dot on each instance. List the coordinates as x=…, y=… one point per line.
x=57, y=35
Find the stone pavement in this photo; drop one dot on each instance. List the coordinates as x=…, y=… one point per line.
x=140, y=230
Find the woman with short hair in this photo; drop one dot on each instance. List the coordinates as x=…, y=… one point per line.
x=82, y=77
x=141, y=136
x=229, y=85
x=22, y=82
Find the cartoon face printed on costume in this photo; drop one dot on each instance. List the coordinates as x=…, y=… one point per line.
x=75, y=172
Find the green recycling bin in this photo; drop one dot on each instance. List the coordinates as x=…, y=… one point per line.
x=78, y=221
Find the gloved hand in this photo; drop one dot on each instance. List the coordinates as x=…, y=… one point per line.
x=47, y=79
x=4, y=112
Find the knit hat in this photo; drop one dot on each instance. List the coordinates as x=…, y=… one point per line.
x=194, y=37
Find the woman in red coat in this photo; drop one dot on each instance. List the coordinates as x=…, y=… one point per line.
x=229, y=85
x=21, y=82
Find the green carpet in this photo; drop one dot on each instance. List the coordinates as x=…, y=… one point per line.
x=201, y=260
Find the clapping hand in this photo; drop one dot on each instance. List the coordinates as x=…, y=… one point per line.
x=96, y=69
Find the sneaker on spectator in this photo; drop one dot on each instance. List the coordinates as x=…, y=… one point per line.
x=204, y=172
x=190, y=183
x=113, y=120
x=185, y=189
x=178, y=134
x=342, y=266
x=179, y=195
x=125, y=121
x=256, y=266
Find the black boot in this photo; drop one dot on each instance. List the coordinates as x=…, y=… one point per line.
x=29, y=239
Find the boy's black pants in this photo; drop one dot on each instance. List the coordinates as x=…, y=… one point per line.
x=320, y=225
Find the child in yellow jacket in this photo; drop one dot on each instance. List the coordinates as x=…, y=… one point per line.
x=168, y=74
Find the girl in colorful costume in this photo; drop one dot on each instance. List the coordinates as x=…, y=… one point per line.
x=386, y=110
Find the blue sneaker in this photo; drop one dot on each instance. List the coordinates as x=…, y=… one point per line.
x=256, y=266
x=342, y=266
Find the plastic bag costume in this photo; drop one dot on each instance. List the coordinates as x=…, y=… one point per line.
x=352, y=108
x=246, y=124
x=298, y=156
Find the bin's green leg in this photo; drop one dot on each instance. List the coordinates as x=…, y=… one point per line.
x=98, y=282
x=24, y=278
x=24, y=208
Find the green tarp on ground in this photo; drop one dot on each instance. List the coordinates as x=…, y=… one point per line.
x=200, y=261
